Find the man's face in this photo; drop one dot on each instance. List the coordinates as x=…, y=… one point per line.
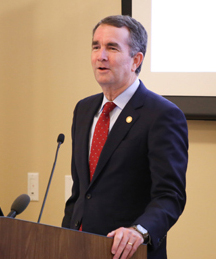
x=112, y=64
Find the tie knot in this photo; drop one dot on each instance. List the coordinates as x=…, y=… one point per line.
x=108, y=107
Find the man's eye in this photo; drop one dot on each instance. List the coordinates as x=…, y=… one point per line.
x=95, y=47
x=113, y=48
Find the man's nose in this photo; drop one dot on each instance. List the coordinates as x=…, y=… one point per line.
x=102, y=55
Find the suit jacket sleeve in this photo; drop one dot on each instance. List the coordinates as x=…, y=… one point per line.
x=167, y=155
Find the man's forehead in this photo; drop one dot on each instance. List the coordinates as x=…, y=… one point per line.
x=110, y=33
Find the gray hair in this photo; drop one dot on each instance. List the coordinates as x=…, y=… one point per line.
x=138, y=35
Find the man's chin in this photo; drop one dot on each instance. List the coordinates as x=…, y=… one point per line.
x=103, y=81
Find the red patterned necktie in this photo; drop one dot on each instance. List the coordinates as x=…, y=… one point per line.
x=99, y=138
x=100, y=135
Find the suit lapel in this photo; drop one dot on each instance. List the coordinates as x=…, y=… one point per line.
x=85, y=123
x=120, y=128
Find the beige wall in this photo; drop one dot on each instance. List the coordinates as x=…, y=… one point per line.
x=44, y=70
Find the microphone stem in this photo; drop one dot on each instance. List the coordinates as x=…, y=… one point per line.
x=12, y=214
x=45, y=196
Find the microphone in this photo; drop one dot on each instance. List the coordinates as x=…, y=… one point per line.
x=60, y=141
x=19, y=205
x=61, y=138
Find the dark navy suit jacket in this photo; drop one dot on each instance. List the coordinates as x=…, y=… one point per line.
x=140, y=176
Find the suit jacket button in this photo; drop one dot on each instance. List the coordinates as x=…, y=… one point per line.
x=77, y=223
x=88, y=196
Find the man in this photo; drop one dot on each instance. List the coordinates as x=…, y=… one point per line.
x=132, y=188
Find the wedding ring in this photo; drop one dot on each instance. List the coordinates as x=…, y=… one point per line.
x=129, y=243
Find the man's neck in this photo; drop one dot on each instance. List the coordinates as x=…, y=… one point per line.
x=111, y=92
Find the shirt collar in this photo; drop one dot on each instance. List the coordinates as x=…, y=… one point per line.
x=122, y=99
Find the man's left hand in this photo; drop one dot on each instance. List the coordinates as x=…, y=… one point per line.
x=125, y=243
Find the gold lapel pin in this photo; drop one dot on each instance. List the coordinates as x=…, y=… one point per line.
x=129, y=119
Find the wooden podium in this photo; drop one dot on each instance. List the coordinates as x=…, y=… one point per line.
x=27, y=240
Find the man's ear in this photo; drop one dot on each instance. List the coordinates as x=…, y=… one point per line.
x=137, y=60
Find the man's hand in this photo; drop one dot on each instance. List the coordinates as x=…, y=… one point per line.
x=125, y=243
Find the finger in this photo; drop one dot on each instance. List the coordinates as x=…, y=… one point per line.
x=124, y=247
x=127, y=250
x=129, y=245
x=118, y=235
x=133, y=249
x=111, y=234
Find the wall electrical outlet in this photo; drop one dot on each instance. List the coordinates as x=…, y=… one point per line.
x=33, y=186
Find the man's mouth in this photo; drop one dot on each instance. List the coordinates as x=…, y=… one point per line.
x=103, y=68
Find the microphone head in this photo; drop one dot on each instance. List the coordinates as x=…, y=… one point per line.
x=20, y=204
x=61, y=138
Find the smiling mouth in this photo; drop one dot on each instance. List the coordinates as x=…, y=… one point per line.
x=102, y=68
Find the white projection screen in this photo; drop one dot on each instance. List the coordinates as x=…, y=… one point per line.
x=180, y=62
